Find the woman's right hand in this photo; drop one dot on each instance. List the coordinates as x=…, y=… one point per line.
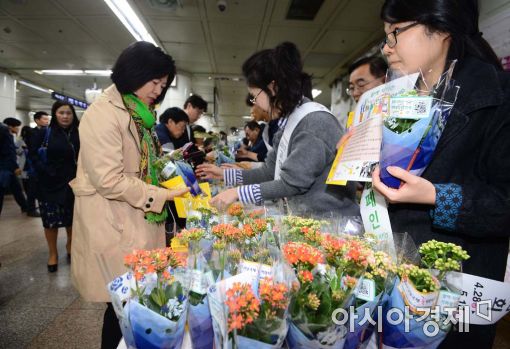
x=172, y=194
x=209, y=171
x=231, y=166
x=345, y=138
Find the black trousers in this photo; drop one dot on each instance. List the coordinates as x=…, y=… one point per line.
x=13, y=185
x=111, y=334
x=30, y=187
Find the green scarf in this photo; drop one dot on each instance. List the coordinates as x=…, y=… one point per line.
x=145, y=119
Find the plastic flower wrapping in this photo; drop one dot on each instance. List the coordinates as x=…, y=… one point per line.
x=151, y=300
x=257, y=280
x=414, y=122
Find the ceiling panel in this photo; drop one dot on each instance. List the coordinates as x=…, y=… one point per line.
x=99, y=25
x=183, y=51
x=301, y=36
x=29, y=8
x=9, y=51
x=360, y=15
x=238, y=10
x=15, y=32
x=244, y=35
x=189, y=9
x=84, y=8
x=232, y=57
x=341, y=42
x=59, y=30
x=178, y=31
x=282, y=7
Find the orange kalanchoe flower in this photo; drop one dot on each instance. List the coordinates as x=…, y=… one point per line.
x=277, y=294
x=227, y=232
x=236, y=210
x=243, y=306
x=143, y=262
x=305, y=276
x=302, y=254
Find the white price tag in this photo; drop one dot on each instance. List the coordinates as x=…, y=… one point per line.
x=410, y=107
x=366, y=290
x=255, y=269
x=198, y=282
x=447, y=300
x=415, y=299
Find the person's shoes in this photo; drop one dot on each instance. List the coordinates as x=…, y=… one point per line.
x=33, y=214
x=52, y=268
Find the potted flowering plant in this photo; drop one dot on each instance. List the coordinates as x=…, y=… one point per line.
x=157, y=303
x=257, y=319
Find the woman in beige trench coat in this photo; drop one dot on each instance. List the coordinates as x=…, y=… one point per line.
x=112, y=200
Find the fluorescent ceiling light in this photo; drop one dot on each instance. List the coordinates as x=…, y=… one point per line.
x=98, y=72
x=128, y=17
x=35, y=87
x=74, y=72
x=247, y=117
x=316, y=92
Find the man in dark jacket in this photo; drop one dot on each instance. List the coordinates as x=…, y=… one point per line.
x=9, y=169
x=194, y=107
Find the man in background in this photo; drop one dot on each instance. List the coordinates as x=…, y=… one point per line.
x=42, y=119
x=9, y=169
x=194, y=107
x=365, y=74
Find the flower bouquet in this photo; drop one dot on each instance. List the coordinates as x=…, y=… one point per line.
x=413, y=127
x=425, y=294
x=323, y=290
x=155, y=313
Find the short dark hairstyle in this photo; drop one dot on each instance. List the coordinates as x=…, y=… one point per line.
x=12, y=122
x=253, y=125
x=457, y=18
x=378, y=65
x=54, y=109
x=196, y=102
x=282, y=65
x=198, y=128
x=39, y=115
x=140, y=63
x=175, y=114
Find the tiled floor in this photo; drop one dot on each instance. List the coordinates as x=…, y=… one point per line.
x=42, y=310
x=38, y=309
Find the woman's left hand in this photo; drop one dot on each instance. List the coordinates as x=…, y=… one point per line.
x=414, y=189
x=225, y=198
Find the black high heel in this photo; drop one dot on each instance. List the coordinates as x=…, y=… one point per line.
x=52, y=268
x=69, y=258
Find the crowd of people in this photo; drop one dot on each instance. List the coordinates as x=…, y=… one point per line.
x=97, y=180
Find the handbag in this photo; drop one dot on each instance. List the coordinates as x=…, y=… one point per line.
x=43, y=149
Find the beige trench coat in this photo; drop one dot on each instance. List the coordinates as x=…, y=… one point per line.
x=110, y=198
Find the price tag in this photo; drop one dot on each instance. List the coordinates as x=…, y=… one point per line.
x=414, y=298
x=366, y=290
x=255, y=269
x=447, y=300
x=410, y=107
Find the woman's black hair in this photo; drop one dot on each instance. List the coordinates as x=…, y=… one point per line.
x=459, y=18
x=54, y=108
x=175, y=114
x=140, y=63
x=283, y=66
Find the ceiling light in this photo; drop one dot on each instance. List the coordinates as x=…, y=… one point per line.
x=316, y=92
x=35, y=87
x=59, y=72
x=131, y=21
x=98, y=72
x=74, y=72
x=247, y=117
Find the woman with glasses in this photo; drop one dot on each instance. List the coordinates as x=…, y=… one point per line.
x=464, y=195
x=303, y=151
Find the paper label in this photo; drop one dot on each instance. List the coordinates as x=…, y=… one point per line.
x=255, y=269
x=415, y=299
x=198, y=282
x=487, y=300
x=376, y=220
x=447, y=300
x=410, y=107
x=168, y=170
x=365, y=290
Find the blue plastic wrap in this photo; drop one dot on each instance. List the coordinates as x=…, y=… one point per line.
x=200, y=325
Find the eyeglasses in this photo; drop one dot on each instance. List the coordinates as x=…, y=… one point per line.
x=391, y=38
x=360, y=85
x=254, y=99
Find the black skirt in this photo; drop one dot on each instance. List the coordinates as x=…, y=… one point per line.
x=55, y=215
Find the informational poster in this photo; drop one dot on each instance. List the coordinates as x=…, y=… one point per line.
x=360, y=153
